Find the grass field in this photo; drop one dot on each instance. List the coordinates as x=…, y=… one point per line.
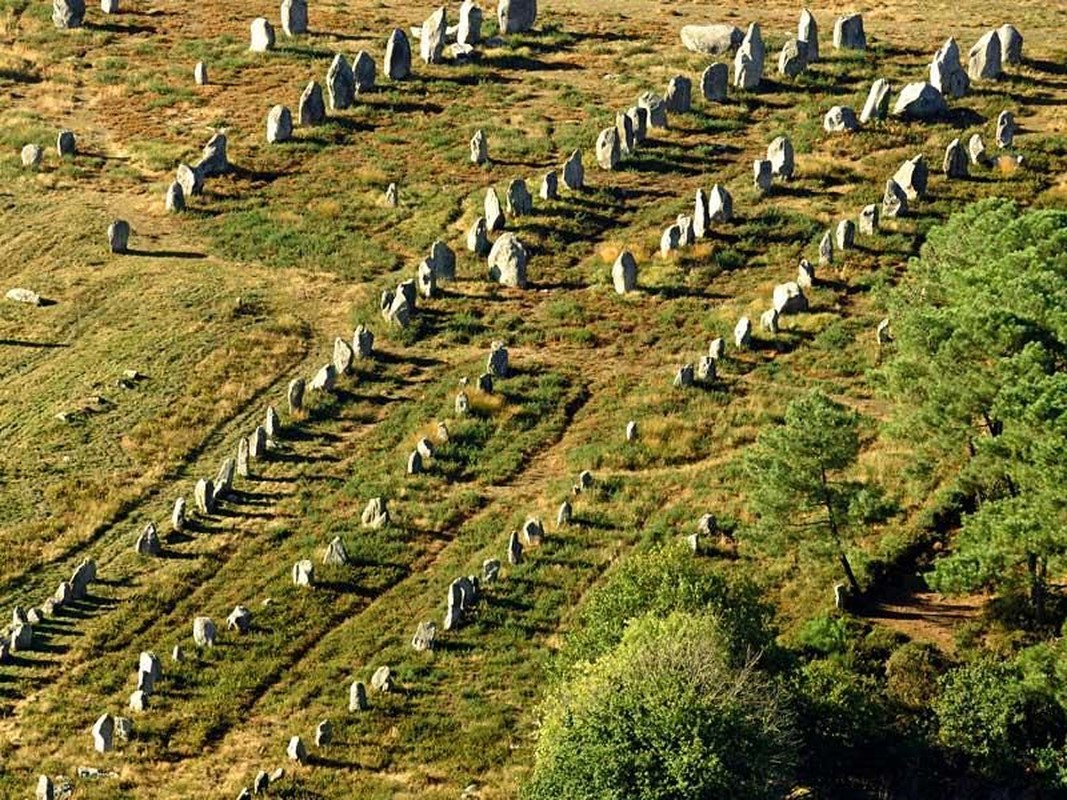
x=222, y=306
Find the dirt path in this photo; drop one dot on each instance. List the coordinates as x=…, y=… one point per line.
x=912, y=608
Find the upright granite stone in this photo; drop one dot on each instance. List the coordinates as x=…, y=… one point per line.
x=1011, y=45
x=303, y=573
x=574, y=172
x=639, y=121
x=983, y=59
x=762, y=175
x=826, y=250
x=845, y=236
x=31, y=156
x=720, y=205
x=549, y=186
x=68, y=13
x=479, y=148
x=118, y=236
x=397, y=65
x=295, y=395
x=920, y=101
x=877, y=103
x=912, y=177
x=66, y=144
x=749, y=60
x=497, y=364
x=514, y=549
x=478, y=237
x=701, y=217
x=103, y=733
x=840, y=119
x=869, y=220
x=177, y=516
x=204, y=632
x=279, y=125
x=607, y=149
x=312, y=108
x=340, y=84
x=713, y=83
x=469, y=31
x=624, y=126
x=743, y=333
x=325, y=379
x=432, y=41
x=955, y=162
x=1005, y=129
x=261, y=34
x=624, y=273
x=342, y=356
x=848, y=33
x=364, y=73
x=808, y=33
x=711, y=40
x=507, y=262
x=789, y=297
x=148, y=543
x=792, y=59
x=805, y=274
x=363, y=343
x=294, y=15
x=946, y=73
x=357, y=697
x=213, y=160
x=655, y=108
x=375, y=513
x=976, y=151
x=518, y=200
x=174, y=202
x=200, y=73
x=894, y=200
x=443, y=259
x=516, y=16
x=679, y=95
x=780, y=154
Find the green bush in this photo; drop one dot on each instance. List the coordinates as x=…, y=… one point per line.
x=666, y=714
x=911, y=675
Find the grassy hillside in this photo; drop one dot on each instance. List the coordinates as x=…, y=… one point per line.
x=219, y=308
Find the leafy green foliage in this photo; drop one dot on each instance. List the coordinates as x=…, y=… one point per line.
x=797, y=469
x=666, y=714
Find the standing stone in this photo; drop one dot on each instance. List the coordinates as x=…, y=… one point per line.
x=175, y=199
x=780, y=156
x=68, y=13
x=805, y=274
x=397, y=64
x=296, y=750
x=792, y=60
x=148, y=542
x=139, y=700
x=768, y=322
x=743, y=333
x=363, y=342
x=303, y=573
x=655, y=108
x=840, y=119
x=685, y=225
x=295, y=395
x=205, y=496
x=294, y=17
x=679, y=95
x=912, y=177
x=262, y=36
x=479, y=148
x=478, y=237
x=103, y=733
x=574, y=173
x=717, y=349
x=670, y=241
x=706, y=370
x=200, y=73
x=357, y=697
x=955, y=163
x=550, y=186
x=711, y=40
x=684, y=377
x=425, y=633
x=808, y=33
x=639, y=121
x=490, y=570
x=342, y=356
x=323, y=734
x=518, y=199
x=257, y=444
x=720, y=205
x=425, y=447
x=336, y=555
x=533, y=532
x=312, y=109
x=516, y=16
x=213, y=159
x=364, y=73
x=45, y=790
x=564, y=515
x=443, y=261
x=748, y=72
x=507, y=262
x=976, y=151
x=415, y=463
x=497, y=363
x=846, y=235
x=272, y=424
x=869, y=220
x=462, y=405
x=375, y=513
x=762, y=175
x=877, y=104
x=494, y=214
x=713, y=83
x=826, y=250
x=392, y=196
x=242, y=458
x=177, y=516
x=432, y=41
x=279, y=125
x=894, y=201
x=631, y=431
x=624, y=126
x=920, y=101
x=340, y=83
x=848, y=33
x=1005, y=129
x=382, y=680
x=701, y=219
x=514, y=549
x=21, y=636
x=31, y=156
x=789, y=298
x=946, y=73
x=882, y=334
x=240, y=620
x=1011, y=45
x=109, y=6
x=607, y=149
x=191, y=181
x=66, y=144
x=469, y=31
x=118, y=236
x=983, y=60
x=624, y=273
x=325, y=379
